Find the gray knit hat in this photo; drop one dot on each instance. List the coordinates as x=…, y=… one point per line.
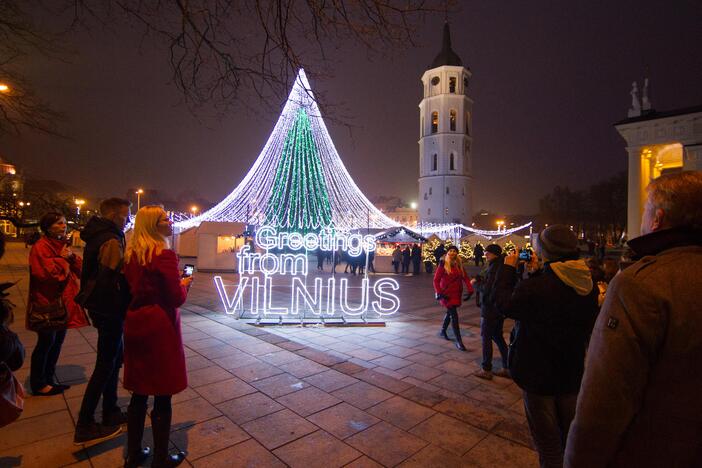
x=494, y=249
x=557, y=242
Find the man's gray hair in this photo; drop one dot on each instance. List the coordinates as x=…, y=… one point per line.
x=679, y=195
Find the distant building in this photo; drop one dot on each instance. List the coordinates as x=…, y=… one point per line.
x=405, y=216
x=445, y=114
x=658, y=143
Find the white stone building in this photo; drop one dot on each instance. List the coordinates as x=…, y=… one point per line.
x=658, y=143
x=445, y=115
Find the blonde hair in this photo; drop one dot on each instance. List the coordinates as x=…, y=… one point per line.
x=449, y=266
x=146, y=240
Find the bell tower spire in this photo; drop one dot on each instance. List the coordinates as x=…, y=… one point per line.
x=445, y=142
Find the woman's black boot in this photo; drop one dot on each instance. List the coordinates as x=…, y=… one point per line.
x=445, y=325
x=136, y=455
x=457, y=332
x=161, y=427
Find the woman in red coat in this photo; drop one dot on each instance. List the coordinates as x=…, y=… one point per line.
x=154, y=360
x=448, y=285
x=54, y=273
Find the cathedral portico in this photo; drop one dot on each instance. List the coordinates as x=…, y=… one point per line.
x=657, y=143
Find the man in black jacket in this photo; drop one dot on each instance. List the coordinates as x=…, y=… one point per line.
x=491, y=320
x=555, y=310
x=104, y=292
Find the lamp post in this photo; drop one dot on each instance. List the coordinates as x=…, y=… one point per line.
x=4, y=88
x=194, y=209
x=138, y=194
x=79, y=202
x=500, y=224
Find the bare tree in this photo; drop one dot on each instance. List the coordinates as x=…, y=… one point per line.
x=221, y=52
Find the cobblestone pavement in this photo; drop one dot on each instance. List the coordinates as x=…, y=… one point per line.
x=360, y=397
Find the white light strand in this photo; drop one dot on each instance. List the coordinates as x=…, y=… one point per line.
x=450, y=230
x=248, y=202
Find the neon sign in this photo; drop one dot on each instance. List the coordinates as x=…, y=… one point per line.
x=323, y=299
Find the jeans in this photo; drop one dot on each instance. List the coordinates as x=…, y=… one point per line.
x=549, y=420
x=106, y=374
x=491, y=330
x=44, y=358
x=405, y=266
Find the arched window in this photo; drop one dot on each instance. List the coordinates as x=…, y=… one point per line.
x=452, y=85
x=452, y=120
x=428, y=211
x=425, y=196
x=429, y=190
x=465, y=85
x=434, y=122
x=452, y=164
x=447, y=190
x=467, y=124
x=434, y=163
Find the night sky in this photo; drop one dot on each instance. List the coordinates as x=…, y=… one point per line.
x=549, y=80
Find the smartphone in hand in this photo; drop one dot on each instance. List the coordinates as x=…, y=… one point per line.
x=188, y=270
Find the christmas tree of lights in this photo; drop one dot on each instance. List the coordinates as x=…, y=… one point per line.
x=298, y=181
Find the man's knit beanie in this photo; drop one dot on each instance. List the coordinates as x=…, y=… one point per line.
x=494, y=249
x=557, y=242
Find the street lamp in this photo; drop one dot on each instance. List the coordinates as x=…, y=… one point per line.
x=138, y=194
x=4, y=88
x=79, y=202
x=413, y=205
x=499, y=223
x=194, y=210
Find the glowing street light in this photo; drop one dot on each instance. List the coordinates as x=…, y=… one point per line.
x=194, y=209
x=4, y=88
x=79, y=203
x=413, y=205
x=138, y=194
x=500, y=224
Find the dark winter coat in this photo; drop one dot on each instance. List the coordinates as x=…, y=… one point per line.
x=406, y=256
x=51, y=276
x=484, y=287
x=154, y=360
x=11, y=349
x=640, y=404
x=553, y=324
x=451, y=285
x=104, y=291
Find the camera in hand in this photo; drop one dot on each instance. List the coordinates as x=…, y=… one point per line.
x=525, y=255
x=188, y=270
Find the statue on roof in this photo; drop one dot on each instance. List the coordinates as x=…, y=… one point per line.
x=635, y=110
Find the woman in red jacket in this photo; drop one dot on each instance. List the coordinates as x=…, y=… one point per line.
x=448, y=285
x=154, y=360
x=54, y=273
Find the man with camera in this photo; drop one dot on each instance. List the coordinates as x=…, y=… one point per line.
x=554, y=311
x=640, y=403
x=491, y=320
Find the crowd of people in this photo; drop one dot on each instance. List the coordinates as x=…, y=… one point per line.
x=605, y=353
x=609, y=374
x=130, y=292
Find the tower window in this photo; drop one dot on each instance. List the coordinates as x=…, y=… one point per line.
x=429, y=190
x=425, y=196
x=465, y=85
x=446, y=211
x=452, y=120
x=452, y=165
x=447, y=190
x=434, y=122
x=464, y=192
x=434, y=165
x=428, y=211
x=467, y=124
x=452, y=85
x=435, y=81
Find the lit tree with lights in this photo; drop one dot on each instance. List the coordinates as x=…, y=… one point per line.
x=298, y=182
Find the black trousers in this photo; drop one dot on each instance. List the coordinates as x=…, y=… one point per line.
x=44, y=358
x=452, y=318
x=106, y=373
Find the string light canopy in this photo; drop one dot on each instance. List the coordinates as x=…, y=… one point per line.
x=455, y=231
x=298, y=182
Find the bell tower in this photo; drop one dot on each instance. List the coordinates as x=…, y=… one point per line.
x=445, y=142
